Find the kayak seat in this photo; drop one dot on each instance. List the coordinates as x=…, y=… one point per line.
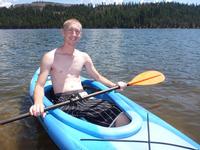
x=120, y=120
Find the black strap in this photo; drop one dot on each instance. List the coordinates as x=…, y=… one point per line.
x=137, y=141
x=148, y=132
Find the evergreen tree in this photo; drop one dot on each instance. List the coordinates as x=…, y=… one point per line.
x=129, y=15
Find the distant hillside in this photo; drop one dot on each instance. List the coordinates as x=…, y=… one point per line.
x=131, y=15
x=41, y=4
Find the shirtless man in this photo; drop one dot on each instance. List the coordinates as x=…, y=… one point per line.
x=64, y=64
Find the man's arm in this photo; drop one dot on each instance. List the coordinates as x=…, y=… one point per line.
x=91, y=70
x=38, y=107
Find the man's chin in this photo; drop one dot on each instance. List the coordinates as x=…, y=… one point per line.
x=71, y=44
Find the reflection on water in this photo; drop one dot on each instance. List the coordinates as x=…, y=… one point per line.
x=119, y=54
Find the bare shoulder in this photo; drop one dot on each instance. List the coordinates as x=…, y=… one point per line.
x=48, y=57
x=84, y=55
x=50, y=54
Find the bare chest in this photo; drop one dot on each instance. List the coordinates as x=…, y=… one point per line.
x=67, y=65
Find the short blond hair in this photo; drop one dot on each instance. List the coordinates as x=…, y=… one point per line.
x=68, y=22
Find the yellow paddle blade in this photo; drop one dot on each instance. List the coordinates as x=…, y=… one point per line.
x=147, y=78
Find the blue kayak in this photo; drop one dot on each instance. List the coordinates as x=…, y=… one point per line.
x=145, y=131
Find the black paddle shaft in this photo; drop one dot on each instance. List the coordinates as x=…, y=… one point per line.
x=25, y=115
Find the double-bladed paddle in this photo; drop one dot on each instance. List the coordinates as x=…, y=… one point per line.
x=145, y=78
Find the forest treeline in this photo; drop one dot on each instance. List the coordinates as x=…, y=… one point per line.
x=130, y=15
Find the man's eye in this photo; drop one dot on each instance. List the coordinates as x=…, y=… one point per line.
x=72, y=31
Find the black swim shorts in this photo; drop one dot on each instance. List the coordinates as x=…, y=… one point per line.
x=94, y=110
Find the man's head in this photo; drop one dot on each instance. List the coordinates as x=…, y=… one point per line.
x=69, y=22
x=72, y=31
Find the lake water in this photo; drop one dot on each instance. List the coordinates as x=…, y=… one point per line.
x=119, y=54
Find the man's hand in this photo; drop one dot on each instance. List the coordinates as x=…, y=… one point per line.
x=37, y=110
x=122, y=85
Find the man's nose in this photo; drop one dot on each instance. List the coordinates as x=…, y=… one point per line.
x=74, y=33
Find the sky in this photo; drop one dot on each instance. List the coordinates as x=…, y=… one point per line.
x=7, y=3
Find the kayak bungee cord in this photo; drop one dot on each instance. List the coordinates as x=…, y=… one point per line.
x=148, y=132
x=138, y=141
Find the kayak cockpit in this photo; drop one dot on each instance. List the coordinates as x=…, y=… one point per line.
x=93, y=129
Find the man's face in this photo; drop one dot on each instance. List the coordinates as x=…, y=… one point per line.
x=72, y=34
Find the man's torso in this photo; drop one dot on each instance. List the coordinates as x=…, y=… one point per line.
x=65, y=71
